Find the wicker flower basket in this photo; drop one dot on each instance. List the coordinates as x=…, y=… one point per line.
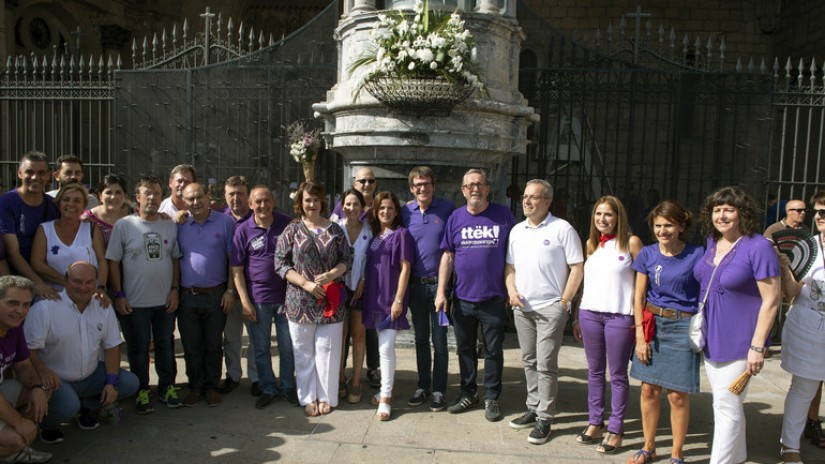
x=420, y=96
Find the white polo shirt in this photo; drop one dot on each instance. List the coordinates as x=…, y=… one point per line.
x=71, y=343
x=542, y=257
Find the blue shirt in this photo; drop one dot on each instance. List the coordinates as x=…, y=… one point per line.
x=205, y=247
x=16, y=217
x=427, y=229
x=670, y=278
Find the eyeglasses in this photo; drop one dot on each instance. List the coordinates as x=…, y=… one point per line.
x=421, y=185
x=532, y=197
x=820, y=212
x=798, y=210
x=365, y=181
x=474, y=185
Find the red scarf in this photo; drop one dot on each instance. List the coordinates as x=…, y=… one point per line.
x=605, y=238
x=333, y=298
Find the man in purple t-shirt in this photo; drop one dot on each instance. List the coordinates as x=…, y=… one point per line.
x=425, y=219
x=21, y=211
x=262, y=293
x=18, y=426
x=205, y=241
x=236, y=194
x=475, y=246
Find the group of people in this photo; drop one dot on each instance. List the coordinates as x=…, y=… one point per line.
x=342, y=281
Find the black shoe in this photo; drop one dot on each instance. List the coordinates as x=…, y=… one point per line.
x=418, y=398
x=264, y=400
x=438, y=403
x=463, y=403
x=255, y=389
x=51, y=437
x=86, y=420
x=228, y=385
x=492, y=411
x=292, y=397
x=373, y=378
x=813, y=432
x=525, y=421
x=540, y=433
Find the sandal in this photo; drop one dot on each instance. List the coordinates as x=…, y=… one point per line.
x=311, y=409
x=605, y=446
x=676, y=461
x=790, y=459
x=645, y=457
x=585, y=439
x=324, y=408
x=383, y=412
x=813, y=432
x=354, y=395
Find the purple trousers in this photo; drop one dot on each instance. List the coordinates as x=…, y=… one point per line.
x=608, y=341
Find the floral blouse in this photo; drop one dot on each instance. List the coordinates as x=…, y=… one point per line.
x=296, y=251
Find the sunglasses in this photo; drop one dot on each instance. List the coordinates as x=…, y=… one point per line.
x=820, y=212
x=365, y=181
x=798, y=210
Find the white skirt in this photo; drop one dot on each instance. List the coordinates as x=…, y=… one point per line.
x=803, y=343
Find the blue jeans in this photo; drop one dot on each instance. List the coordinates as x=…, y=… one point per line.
x=425, y=322
x=261, y=333
x=492, y=316
x=67, y=400
x=142, y=325
x=201, y=321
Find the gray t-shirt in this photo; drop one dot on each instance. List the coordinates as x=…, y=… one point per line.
x=146, y=250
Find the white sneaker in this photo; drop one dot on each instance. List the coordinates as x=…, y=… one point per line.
x=28, y=455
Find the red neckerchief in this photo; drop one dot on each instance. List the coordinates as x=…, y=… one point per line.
x=605, y=238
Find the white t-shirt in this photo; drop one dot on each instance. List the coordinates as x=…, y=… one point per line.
x=542, y=257
x=609, y=280
x=71, y=343
x=166, y=206
x=59, y=255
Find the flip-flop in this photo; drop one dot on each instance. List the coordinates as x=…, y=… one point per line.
x=646, y=457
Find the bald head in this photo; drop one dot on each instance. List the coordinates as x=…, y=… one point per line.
x=364, y=182
x=795, y=213
x=81, y=282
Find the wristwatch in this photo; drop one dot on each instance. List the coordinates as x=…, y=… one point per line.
x=40, y=386
x=758, y=349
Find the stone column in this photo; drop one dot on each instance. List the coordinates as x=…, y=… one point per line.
x=361, y=6
x=488, y=6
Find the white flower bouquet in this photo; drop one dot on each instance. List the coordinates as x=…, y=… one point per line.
x=420, y=46
x=304, y=142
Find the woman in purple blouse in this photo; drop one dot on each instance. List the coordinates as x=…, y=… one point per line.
x=740, y=274
x=387, y=273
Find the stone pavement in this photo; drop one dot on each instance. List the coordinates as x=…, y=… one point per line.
x=236, y=432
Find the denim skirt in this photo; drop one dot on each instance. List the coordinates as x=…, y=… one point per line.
x=673, y=365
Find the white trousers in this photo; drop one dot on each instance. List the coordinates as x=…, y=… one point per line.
x=317, y=349
x=233, y=344
x=797, y=402
x=729, y=444
x=386, y=354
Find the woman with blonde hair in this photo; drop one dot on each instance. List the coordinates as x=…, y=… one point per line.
x=605, y=319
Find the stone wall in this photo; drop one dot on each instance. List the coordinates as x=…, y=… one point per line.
x=800, y=32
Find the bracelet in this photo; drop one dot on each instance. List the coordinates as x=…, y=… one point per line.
x=758, y=349
x=40, y=386
x=101, y=287
x=120, y=294
x=398, y=301
x=112, y=379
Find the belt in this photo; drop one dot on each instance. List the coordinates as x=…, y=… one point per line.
x=426, y=280
x=201, y=290
x=667, y=313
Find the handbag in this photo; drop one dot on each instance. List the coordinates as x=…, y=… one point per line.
x=698, y=329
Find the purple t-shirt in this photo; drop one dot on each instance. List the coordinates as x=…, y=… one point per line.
x=205, y=248
x=228, y=211
x=16, y=217
x=427, y=229
x=479, y=243
x=733, y=303
x=254, y=249
x=13, y=348
x=381, y=274
x=670, y=278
